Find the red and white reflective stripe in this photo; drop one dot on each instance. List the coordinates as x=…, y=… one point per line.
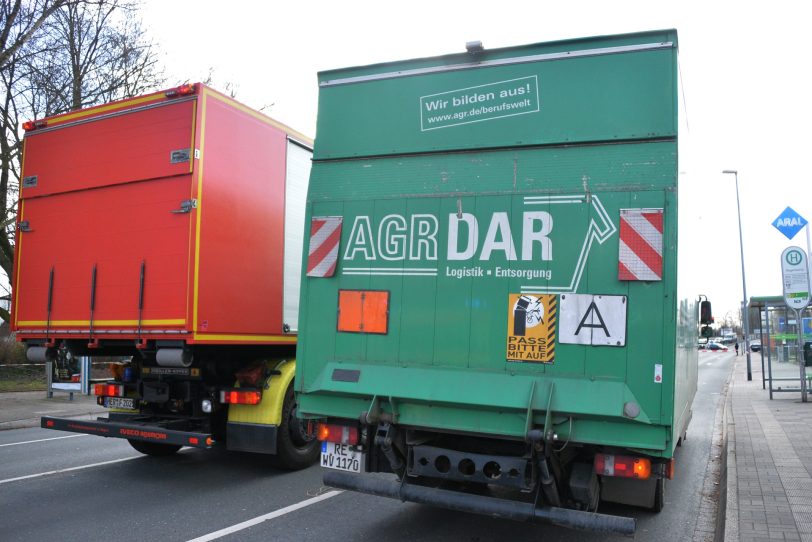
x=325, y=234
x=641, y=244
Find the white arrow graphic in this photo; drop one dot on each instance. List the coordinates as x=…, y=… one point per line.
x=600, y=229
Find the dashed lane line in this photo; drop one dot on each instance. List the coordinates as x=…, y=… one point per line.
x=59, y=471
x=40, y=440
x=265, y=517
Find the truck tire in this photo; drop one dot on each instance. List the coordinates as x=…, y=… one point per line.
x=659, y=496
x=294, y=449
x=154, y=449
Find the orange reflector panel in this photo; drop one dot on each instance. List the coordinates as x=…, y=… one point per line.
x=332, y=432
x=622, y=466
x=363, y=311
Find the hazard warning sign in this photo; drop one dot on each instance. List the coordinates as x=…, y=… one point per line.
x=531, y=328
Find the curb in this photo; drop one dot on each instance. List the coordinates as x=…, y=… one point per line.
x=731, y=520
x=27, y=423
x=710, y=525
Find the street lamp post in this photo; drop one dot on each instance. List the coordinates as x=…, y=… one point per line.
x=745, y=318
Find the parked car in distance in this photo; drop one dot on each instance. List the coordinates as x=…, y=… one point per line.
x=755, y=346
x=716, y=347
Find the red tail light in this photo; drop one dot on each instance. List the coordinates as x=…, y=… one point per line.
x=331, y=432
x=623, y=466
x=109, y=390
x=241, y=397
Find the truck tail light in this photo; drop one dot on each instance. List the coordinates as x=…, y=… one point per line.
x=183, y=90
x=332, y=432
x=109, y=390
x=241, y=397
x=623, y=466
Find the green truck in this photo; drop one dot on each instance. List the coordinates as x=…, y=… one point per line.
x=491, y=301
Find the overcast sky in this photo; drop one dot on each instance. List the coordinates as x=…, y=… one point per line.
x=744, y=69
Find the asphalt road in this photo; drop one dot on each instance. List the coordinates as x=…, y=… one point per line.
x=86, y=488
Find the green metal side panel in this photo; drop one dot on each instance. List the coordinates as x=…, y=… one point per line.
x=408, y=222
x=500, y=98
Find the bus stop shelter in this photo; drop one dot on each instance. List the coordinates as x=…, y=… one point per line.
x=777, y=329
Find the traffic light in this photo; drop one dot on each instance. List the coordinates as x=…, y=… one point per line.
x=705, y=313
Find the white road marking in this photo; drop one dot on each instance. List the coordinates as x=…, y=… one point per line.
x=265, y=517
x=41, y=440
x=49, y=411
x=58, y=471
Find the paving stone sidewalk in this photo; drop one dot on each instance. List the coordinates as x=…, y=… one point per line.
x=24, y=408
x=769, y=461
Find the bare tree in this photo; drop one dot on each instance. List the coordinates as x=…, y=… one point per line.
x=20, y=21
x=62, y=55
x=97, y=53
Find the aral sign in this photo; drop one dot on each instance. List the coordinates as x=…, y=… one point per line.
x=530, y=238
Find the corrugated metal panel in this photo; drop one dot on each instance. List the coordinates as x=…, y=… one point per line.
x=296, y=178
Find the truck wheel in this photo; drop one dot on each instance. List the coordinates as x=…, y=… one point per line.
x=659, y=496
x=295, y=449
x=153, y=448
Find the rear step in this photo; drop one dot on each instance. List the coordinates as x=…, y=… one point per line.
x=132, y=431
x=478, y=504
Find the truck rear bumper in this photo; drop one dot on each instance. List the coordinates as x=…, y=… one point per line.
x=479, y=504
x=146, y=432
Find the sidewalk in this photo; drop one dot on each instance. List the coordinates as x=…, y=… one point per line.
x=769, y=461
x=24, y=408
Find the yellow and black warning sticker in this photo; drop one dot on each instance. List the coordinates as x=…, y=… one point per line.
x=531, y=327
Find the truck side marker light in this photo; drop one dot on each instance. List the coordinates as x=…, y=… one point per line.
x=183, y=90
x=622, y=466
x=49, y=423
x=194, y=441
x=33, y=125
x=331, y=432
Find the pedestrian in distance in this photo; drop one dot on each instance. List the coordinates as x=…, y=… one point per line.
x=736, y=347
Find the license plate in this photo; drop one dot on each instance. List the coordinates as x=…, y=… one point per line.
x=119, y=402
x=341, y=457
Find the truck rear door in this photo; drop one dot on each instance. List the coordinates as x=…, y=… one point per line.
x=106, y=194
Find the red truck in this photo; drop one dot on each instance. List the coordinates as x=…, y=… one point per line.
x=167, y=228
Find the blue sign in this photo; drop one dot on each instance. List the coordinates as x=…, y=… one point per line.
x=789, y=223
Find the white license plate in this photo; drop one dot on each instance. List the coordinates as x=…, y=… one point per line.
x=341, y=457
x=119, y=402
